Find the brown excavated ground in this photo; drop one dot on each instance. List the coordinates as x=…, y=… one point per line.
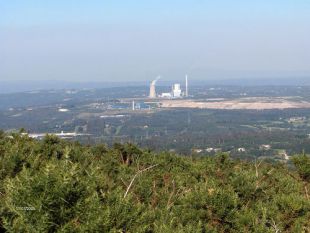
x=261, y=103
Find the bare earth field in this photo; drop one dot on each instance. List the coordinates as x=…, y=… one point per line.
x=242, y=103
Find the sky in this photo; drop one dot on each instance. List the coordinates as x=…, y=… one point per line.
x=135, y=40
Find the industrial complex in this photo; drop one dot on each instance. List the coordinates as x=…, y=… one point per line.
x=176, y=91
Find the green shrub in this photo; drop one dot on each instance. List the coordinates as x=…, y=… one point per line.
x=58, y=186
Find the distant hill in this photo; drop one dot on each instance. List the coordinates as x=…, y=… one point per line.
x=30, y=85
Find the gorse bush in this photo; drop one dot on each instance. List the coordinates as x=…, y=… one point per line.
x=302, y=163
x=58, y=186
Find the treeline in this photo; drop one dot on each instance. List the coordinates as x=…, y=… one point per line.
x=58, y=186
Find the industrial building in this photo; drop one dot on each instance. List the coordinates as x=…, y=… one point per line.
x=168, y=95
x=176, y=91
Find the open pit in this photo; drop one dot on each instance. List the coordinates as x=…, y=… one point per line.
x=261, y=103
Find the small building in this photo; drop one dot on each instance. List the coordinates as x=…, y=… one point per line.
x=265, y=147
x=241, y=149
x=63, y=110
x=282, y=154
x=166, y=95
x=296, y=119
x=209, y=149
x=198, y=151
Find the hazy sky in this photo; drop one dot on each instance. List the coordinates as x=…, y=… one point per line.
x=101, y=40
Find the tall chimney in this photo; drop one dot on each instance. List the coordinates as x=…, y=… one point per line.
x=186, y=86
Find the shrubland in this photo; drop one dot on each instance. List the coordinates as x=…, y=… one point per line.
x=59, y=186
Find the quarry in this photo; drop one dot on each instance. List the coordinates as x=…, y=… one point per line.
x=252, y=103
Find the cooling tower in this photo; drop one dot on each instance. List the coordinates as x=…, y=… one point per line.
x=153, y=88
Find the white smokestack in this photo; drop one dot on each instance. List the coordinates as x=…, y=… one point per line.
x=186, y=86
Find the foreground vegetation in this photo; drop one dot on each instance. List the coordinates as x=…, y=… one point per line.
x=57, y=186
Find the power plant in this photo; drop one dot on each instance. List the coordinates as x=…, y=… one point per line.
x=176, y=91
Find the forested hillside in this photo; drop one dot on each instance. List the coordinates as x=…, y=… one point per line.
x=58, y=186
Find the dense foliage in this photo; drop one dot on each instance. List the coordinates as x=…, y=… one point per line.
x=58, y=186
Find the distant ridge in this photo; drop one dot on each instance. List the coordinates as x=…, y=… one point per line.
x=22, y=86
x=28, y=85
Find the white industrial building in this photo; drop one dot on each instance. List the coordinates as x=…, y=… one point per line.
x=176, y=90
x=168, y=95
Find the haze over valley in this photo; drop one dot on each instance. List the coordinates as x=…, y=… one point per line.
x=179, y=116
